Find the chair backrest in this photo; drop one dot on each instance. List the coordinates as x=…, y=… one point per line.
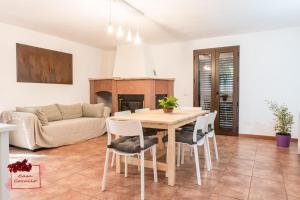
x=142, y=110
x=201, y=124
x=212, y=117
x=127, y=112
x=124, y=128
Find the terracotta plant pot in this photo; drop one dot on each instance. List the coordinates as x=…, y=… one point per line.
x=283, y=140
x=168, y=110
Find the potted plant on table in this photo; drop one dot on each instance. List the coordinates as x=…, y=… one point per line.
x=283, y=123
x=168, y=104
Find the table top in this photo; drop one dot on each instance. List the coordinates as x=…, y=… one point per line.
x=6, y=127
x=158, y=116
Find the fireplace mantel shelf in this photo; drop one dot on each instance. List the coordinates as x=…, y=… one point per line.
x=132, y=78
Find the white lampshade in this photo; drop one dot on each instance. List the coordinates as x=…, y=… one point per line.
x=120, y=32
x=129, y=36
x=137, y=39
x=110, y=29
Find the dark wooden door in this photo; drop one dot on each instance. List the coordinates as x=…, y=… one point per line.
x=216, y=85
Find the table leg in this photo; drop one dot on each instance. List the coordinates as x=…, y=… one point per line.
x=171, y=156
x=4, y=160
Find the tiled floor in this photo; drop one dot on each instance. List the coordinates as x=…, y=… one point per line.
x=247, y=169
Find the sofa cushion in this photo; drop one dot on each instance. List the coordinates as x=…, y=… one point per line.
x=70, y=111
x=27, y=109
x=52, y=112
x=35, y=110
x=92, y=110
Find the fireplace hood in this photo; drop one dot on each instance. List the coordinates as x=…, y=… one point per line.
x=134, y=61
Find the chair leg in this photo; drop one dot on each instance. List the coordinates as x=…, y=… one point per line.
x=191, y=151
x=113, y=159
x=138, y=164
x=178, y=154
x=206, y=154
x=182, y=154
x=197, y=165
x=126, y=166
x=216, y=147
x=105, y=170
x=154, y=163
x=142, y=177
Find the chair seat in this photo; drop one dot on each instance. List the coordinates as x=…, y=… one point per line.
x=132, y=144
x=185, y=137
x=190, y=127
x=149, y=131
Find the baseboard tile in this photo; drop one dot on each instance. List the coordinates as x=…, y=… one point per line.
x=264, y=137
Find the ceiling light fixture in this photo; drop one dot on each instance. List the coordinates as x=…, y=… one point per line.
x=137, y=40
x=129, y=36
x=110, y=28
x=119, y=30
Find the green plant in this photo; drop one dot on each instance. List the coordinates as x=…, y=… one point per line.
x=168, y=102
x=283, y=118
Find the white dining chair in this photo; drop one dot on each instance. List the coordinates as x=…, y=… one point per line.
x=209, y=134
x=126, y=112
x=130, y=143
x=194, y=139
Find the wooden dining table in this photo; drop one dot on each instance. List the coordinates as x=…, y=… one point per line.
x=166, y=121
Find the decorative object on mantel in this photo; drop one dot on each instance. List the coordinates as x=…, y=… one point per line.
x=283, y=123
x=168, y=104
x=38, y=65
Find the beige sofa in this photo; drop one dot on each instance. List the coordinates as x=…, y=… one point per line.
x=59, y=125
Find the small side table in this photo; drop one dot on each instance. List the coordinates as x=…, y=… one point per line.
x=4, y=159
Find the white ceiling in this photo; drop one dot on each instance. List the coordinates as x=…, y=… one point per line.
x=164, y=21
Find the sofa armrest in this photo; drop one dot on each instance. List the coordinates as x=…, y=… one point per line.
x=23, y=136
x=106, y=112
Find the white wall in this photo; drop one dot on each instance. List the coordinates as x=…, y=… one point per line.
x=86, y=64
x=133, y=61
x=269, y=69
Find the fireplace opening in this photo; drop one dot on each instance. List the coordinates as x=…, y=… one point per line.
x=130, y=102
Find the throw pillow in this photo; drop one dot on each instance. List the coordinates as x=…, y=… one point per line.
x=52, y=112
x=37, y=111
x=70, y=111
x=93, y=110
x=42, y=117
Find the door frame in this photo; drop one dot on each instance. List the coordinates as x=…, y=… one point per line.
x=214, y=96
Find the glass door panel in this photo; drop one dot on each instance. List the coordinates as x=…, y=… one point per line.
x=225, y=65
x=205, y=80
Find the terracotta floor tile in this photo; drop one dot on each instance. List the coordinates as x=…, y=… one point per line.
x=235, y=186
x=71, y=194
x=267, y=189
x=190, y=194
x=293, y=198
x=275, y=175
x=292, y=188
x=220, y=197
